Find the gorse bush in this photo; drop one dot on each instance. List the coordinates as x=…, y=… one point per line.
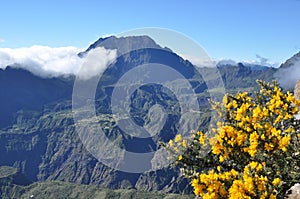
x=253, y=148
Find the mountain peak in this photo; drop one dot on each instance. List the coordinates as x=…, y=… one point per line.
x=123, y=44
x=291, y=61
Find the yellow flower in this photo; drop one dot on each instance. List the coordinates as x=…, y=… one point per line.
x=253, y=165
x=295, y=110
x=269, y=146
x=233, y=172
x=272, y=196
x=184, y=143
x=290, y=130
x=276, y=182
x=222, y=192
x=225, y=99
x=178, y=138
x=264, y=195
x=265, y=112
x=180, y=157
x=287, y=117
x=256, y=112
x=171, y=143
x=253, y=144
x=202, y=138
x=261, y=183
x=285, y=107
x=284, y=142
x=278, y=119
x=229, y=105
x=216, y=149
x=238, y=190
x=176, y=149
x=275, y=132
x=221, y=158
x=259, y=167
x=198, y=188
x=234, y=104
x=290, y=97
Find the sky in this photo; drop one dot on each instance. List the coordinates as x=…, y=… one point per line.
x=240, y=30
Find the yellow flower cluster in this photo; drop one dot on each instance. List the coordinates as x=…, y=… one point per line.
x=253, y=130
x=255, y=123
x=211, y=185
x=178, y=145
x=246, y=185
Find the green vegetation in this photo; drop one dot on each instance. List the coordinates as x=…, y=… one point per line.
x=6, y=171
x=64, y=190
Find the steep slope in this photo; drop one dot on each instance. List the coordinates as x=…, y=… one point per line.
x=288, y=73
x=291, y=61
x=242, y=77
x=20, y=89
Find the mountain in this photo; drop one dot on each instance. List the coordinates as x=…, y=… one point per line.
x=240, y=76
x=37, y=129
x=291, y=61
x=288, y=73
x=21, y=89
x=124, y=44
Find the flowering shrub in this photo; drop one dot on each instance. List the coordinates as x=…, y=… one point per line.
x=254, y=147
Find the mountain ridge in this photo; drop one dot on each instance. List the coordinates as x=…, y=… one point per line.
x=40, y=140
x=291, y=61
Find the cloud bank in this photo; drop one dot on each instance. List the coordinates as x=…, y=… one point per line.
x=206, y=62
x=288, y=77
x=46, y=61
x=260, y=61
x=198, y=61
x=96, y=62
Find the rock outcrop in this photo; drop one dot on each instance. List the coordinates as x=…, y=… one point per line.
x=294, y=192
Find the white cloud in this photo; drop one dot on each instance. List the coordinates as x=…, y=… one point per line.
x=288, y=77
x=226, y=62
x=263, y=61
x=96, y=62
x=207, y=62
x=260, y=62
x=199, y=61
x=52, y=62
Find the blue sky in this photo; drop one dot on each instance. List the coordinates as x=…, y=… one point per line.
x=226, y=29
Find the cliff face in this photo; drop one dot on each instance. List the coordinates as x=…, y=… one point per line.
x=297, y=95
x=291, y=61
x=297, y=90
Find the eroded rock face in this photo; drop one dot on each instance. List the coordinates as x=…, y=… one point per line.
x=294, y=192
x=297, y=90
x=297, y=95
